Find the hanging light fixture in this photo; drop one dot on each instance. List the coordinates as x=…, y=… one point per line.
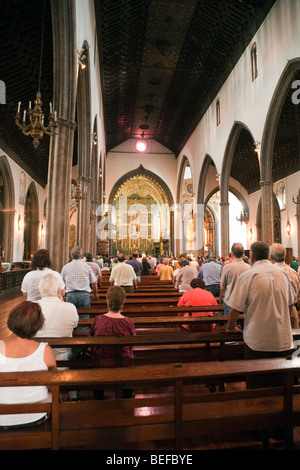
x=82, y=58
x=244, y=217
x=141, y=145
x=77, y=192
x=35, y=127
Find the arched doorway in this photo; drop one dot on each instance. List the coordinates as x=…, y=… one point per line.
x=237, y=228
x=31, y=223
x=205, y=218
x=7, y=211
x=140, y=216
x=186, y=212
x=240, y=170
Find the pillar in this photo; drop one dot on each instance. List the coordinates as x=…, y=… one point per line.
x=267, y=211
x=224, y=230
x=61, y=145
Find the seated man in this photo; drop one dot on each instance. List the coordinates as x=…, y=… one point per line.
x=198, y=296
x=60, y=317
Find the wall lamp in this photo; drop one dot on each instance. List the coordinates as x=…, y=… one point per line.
x=20, y=223
x=288, y=227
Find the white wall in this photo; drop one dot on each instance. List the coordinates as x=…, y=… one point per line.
x=125, y=158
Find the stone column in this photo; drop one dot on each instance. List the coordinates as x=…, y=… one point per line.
x=224, y=228
x=267, y=211
x=83, y=219
x=61, y=145
x=297, y=202
x=199, y=230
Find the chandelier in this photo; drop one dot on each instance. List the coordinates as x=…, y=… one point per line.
x=77, y=193
x=244, y=217
x=297, y=199
x=35, y=127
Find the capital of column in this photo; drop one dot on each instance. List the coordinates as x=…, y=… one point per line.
x=225, y=204
x=265, y=183
x=67, y=123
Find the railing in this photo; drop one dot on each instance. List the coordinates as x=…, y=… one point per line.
x=10, y=282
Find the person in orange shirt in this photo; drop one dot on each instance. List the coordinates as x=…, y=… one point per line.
x=165, y=272
x=198, y=296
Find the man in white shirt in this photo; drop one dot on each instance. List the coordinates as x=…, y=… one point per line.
x=79, y=279
x=277, y=256
x=123, y=275
x=264, y=294
x=60, y=317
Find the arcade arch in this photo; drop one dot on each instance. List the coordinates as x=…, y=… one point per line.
x=7, y=211
x=280, y=147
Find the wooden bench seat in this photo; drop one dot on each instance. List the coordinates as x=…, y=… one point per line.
x=151, y=309
x=162, y=347
x=184, y=411
x=169, y=321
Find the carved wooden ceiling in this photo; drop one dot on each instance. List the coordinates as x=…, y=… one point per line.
x=162, y=63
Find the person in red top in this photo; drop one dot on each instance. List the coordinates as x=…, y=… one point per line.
x=113, y=323
x=198, y=296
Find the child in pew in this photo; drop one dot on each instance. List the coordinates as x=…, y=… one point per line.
x=198, y=296
x=20, y=352
x=113, y=323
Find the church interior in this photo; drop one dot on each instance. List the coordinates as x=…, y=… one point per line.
x=162, y=127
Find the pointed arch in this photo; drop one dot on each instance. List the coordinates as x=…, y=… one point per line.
x=280, y=94
x=8, y=213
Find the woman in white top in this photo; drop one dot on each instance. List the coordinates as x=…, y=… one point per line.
x=19, y=352
x=41, y=265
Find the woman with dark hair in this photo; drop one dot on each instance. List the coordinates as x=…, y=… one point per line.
x=19, y=353
x=113, y=323
x=41, y=265
x=145, y=267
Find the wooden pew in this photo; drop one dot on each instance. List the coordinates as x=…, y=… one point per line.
x=159, y=347
x=169, y=321
x=143, y=295
x=151, y=309
x=180, y=413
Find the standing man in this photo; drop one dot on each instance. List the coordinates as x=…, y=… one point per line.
x=277, y=257
x=89, y=259
x=123, y=275
x=231, y=272
x=264, y=295
x=211, y=273
x=79, y=280
x=136, y=264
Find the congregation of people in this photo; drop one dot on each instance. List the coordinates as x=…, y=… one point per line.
x=262, y=286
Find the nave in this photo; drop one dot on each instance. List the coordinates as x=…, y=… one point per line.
x=234, y=441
